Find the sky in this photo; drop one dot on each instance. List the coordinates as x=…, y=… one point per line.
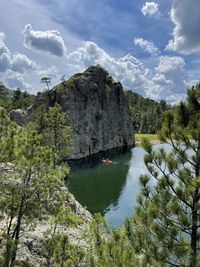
x=152, y=47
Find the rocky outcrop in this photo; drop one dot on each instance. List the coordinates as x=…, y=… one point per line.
x=20, y=116
x=97, y=111
x=31, y=248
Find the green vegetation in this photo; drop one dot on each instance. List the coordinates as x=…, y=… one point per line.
x=146, y=113
x=151, y=137
x=21, y=99
x=29, y=185
x=59, y=87
x=110, y=248
x=52, y=125
x=107, y=88
x=14, y=99
x=106, y=92
x=165, y=229
x=167, y=219
x=5, y=96
x=70, y=83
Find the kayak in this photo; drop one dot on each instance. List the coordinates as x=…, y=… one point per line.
x=106, y=161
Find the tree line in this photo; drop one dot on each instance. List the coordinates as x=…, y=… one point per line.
x=147, y=114
x=165, y=227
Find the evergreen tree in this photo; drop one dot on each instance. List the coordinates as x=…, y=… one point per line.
x=110, y=247
x=30, y=185
x=166, y=225
x=46, y=80
x=146, y=113
x=21, y=99
x=56, y=134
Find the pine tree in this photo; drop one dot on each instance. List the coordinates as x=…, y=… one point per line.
x=166, y=225
x=30, y=185
x=110, y=247
x=46, y=80
x=56, y=134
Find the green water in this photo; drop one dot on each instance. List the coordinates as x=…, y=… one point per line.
x=110, y=189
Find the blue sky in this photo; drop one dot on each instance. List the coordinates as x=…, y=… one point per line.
x=152, y=47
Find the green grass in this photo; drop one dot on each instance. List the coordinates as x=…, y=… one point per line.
x=150, y=137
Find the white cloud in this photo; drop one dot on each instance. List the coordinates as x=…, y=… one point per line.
x=150, y=8
x=21, y=63
x=18, y=82
x=166, y=81
x=15, y=80
x=161, y=80
x=185, y=14
x=175, y=98
x=49, y=41
x=16, y=62
x=171, y=71
x=148, y=47
x=129, y=70
x=170, y=64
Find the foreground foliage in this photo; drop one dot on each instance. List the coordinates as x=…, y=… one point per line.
x=167, y=222
x=165, y=229
x=30, y=185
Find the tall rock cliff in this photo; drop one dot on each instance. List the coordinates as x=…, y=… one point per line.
x=96, y=109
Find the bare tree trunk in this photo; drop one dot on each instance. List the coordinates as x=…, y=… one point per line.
x=16, y=232
x=194, y=235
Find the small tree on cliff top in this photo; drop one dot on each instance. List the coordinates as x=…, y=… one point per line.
x=46, y=80
x=167, y=221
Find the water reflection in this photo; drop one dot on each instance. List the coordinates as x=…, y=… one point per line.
x=111, y=189
x=100, y=187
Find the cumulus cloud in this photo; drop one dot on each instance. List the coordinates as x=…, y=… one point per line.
x=52, y=72
x=170, y=64
x=128, y=69
x=15, y=80
x=166, y=81
x=21, y=63
x=148, y=47
x=150, y=8
x=18, y=82
x=171, y=71
x=185, y=14
x=15, y=62
x=49, y=41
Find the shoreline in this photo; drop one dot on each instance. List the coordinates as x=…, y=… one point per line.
x=153, y=142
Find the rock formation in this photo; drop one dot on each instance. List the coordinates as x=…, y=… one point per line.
x=97, y=110
x=32, y=244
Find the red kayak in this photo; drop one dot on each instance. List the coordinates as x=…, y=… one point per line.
x=106, y=161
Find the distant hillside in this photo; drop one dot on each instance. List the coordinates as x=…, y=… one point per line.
x=14, y=99
x=4, y=91
x=146, y=113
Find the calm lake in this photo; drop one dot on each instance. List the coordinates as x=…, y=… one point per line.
x=111, y=189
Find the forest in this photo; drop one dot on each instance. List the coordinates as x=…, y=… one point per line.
x=147, y=114
x=165, y=227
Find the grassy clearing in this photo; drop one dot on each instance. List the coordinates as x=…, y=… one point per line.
x=151, y=137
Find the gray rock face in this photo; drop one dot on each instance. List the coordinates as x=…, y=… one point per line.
x=97, y=111
x=32, y=243
x=20, y=116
